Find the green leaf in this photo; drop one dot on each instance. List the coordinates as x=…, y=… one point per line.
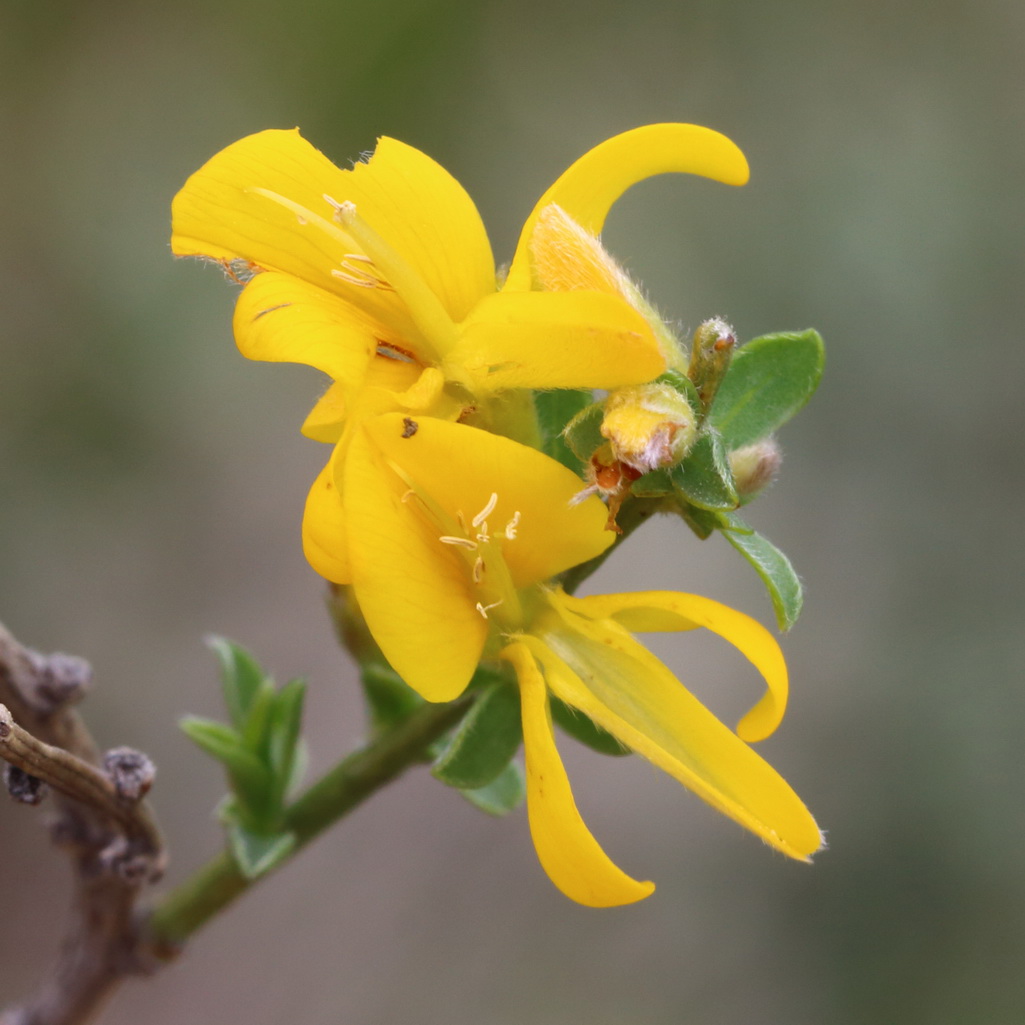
x=241, y=677
x=285, y=728
x=250, y=778
x=256, y=728
x=555, y=409
x=583, y=433
x=772, y=566
x=486, y=740
x=704, y=478
x=257, y=853
x=588, y=732
x=769, y=380
x=505, y=793
x=389, y=698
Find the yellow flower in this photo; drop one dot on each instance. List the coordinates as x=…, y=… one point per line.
x=454, y=533
x=346, y=268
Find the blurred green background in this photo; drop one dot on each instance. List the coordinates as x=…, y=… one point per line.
x=152, y=484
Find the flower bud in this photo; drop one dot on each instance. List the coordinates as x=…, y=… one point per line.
x=711, y=352
x=754, y=466
x=649, y=426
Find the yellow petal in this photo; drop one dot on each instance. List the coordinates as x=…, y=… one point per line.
x=555, y=340
x=425, y=215
x=325, y=542
x=459, y=467
x=565, y=847
x=326, y=420
x=413, y=590
x=670, y=610
x=587, y=190
x=606, y=674
x=280, y=318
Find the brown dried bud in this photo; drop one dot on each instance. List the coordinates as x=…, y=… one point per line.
x=131, y=772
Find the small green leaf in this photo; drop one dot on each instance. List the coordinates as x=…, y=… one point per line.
x=588, y=732
x=583, y=433
x=704, y=478
x=241, y=677
x=389, y=698
x=487, y=738
x=555, y=409
x=250, y=778
x=257, y=853
x=505, y=793
x=771, y=565
x=256, y=728
x=285, y=728
x=769, y=380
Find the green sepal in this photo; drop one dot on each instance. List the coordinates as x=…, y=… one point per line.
x=769, y=380
x=250, y=778
x=257, y=853
x=581, y=727
x=256, y=730
x=484, y=742
x=685, y=386
x=389, y=698
x=555, y=409
x=583, y=433
x=241, y=677
x=505, y=793
x=655, y=484
x=775, y=569
x=704, y=478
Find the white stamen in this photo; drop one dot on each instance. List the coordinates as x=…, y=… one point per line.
x=486, y=511
x=461, y=542
x=512, y=525
x=478, y=570
x=483, y=609
x=351, y=279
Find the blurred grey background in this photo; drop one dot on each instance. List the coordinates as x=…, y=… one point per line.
x=152, y=485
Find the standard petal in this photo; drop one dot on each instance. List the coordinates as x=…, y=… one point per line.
x=427, y=217
x=606, y=674
x=555, y=340
x=414, y=591
x=587, y=190
x=325, y=542
x=282, y=319
x=568, y=852
x=459, y=467
x=326, y=420
x=670, y=610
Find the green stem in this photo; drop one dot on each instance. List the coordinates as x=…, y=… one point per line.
x=219, y=883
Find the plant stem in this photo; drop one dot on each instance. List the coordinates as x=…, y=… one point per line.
x=219, y=883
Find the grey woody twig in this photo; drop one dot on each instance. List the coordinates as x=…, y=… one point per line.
x=101, y=822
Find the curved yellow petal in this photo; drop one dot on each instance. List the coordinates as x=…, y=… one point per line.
x=459, y=467
x=325, y=543
x=414, y=592
x=587, y=190
x=568, y=852
x=555, y=340
x=606, y=674
x=670, y=610
x=282, y=319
